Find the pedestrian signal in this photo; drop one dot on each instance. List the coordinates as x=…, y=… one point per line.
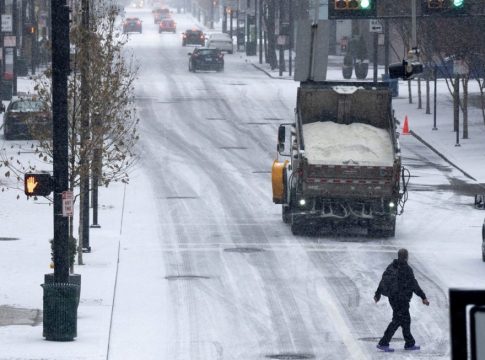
x=348, y=9
x=38, y=184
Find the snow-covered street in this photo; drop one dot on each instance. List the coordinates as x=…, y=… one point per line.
x=193, y=261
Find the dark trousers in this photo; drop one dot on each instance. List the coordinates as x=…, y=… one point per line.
x=400, y=317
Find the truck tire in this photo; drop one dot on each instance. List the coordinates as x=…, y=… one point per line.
x=382, y=228
x=286, y=213
x=297, y=226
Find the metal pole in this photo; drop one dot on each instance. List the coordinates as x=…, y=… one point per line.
x=15, y=29
x=230, y=24
x=212, y=14
x=413, y=16
x=434, y=96
x=290, y=57
x=456, y=108
x=376, y=43
x=84, y=136
x=260, y=30
x=60, y=71
x=386, y=47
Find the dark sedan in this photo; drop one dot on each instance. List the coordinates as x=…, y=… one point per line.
x=206, y=59
x=193, y=37
x=27, y=118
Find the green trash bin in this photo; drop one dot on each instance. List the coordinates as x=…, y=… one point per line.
x=60, y=311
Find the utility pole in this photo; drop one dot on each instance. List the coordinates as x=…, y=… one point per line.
x=84, y=136
x=15, y=29
x=61, y=297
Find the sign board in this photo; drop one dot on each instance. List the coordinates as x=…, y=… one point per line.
x=460, y=67
x=9, y=41
x=67, y=203
x=281, y=40
x=7, y=23
x=375, y=26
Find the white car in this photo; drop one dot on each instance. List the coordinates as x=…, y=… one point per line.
x=220, y=41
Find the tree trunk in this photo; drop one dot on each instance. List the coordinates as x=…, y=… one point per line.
x=410, y=92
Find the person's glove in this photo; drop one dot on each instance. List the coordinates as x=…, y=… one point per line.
x=426, y=302
x=377, y=298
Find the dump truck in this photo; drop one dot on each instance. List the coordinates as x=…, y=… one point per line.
x=340, y=164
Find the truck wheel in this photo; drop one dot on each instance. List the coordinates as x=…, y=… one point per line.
x=382, y=228
x=297, y=228
x=286, y=213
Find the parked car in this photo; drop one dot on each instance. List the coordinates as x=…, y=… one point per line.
x=167, y=25
x=206, y=59
x=26, y=117
x=132, y=24
x=483, y=240
x=220, y=41
x=193, y=37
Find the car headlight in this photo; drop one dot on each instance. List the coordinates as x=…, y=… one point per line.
x=302, y=202
x=392, y=204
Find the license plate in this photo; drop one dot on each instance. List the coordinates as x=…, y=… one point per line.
x=208, y=59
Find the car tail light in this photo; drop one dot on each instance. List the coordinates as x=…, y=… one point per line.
x=138, y=22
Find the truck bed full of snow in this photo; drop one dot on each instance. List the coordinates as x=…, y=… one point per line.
x=330, y=143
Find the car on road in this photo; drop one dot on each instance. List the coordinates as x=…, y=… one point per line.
x=206, y=59
x=221, y=41
x=27, y=117
x=132, y=24
x=167, y=25
x=160, y=14
x=483, y=240
x=193, y=37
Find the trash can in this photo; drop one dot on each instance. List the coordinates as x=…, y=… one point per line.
x=393, y=83
x=73, y=279
x=6, y=90
x=60, y=311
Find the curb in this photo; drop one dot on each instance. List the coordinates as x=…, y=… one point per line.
x=419, y=138
x=269, y=75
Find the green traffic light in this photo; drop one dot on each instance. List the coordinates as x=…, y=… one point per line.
x=365, y=4
x=458, y=3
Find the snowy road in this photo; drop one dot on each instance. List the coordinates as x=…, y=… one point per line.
x=223, y=277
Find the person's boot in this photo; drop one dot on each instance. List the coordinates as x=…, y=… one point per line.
x=413, y=347
x=385, y=348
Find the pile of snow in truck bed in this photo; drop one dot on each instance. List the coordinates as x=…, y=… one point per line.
x=355, y=144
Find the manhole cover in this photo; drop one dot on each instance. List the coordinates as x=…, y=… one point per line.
x=10, y=315
x=291, y=356
x=8, y=238
x=186, y=277
x=244, y=250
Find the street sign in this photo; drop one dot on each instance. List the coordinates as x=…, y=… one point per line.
x=67, y=203
x=9, y=41
x=7, y=23
x=375, y=26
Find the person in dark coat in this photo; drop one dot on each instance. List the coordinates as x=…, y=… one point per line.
x=398, y=284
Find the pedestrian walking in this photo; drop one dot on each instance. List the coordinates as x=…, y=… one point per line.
x=398, y=284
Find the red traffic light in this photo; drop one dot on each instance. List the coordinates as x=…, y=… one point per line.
x=38, y=184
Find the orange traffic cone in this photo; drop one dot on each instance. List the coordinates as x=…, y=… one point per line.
x=405, y=128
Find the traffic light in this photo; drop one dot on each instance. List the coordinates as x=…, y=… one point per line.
x=29, y=29
x=444, y=7
x=406, y=70
x=40, y=184
x=351, y=9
